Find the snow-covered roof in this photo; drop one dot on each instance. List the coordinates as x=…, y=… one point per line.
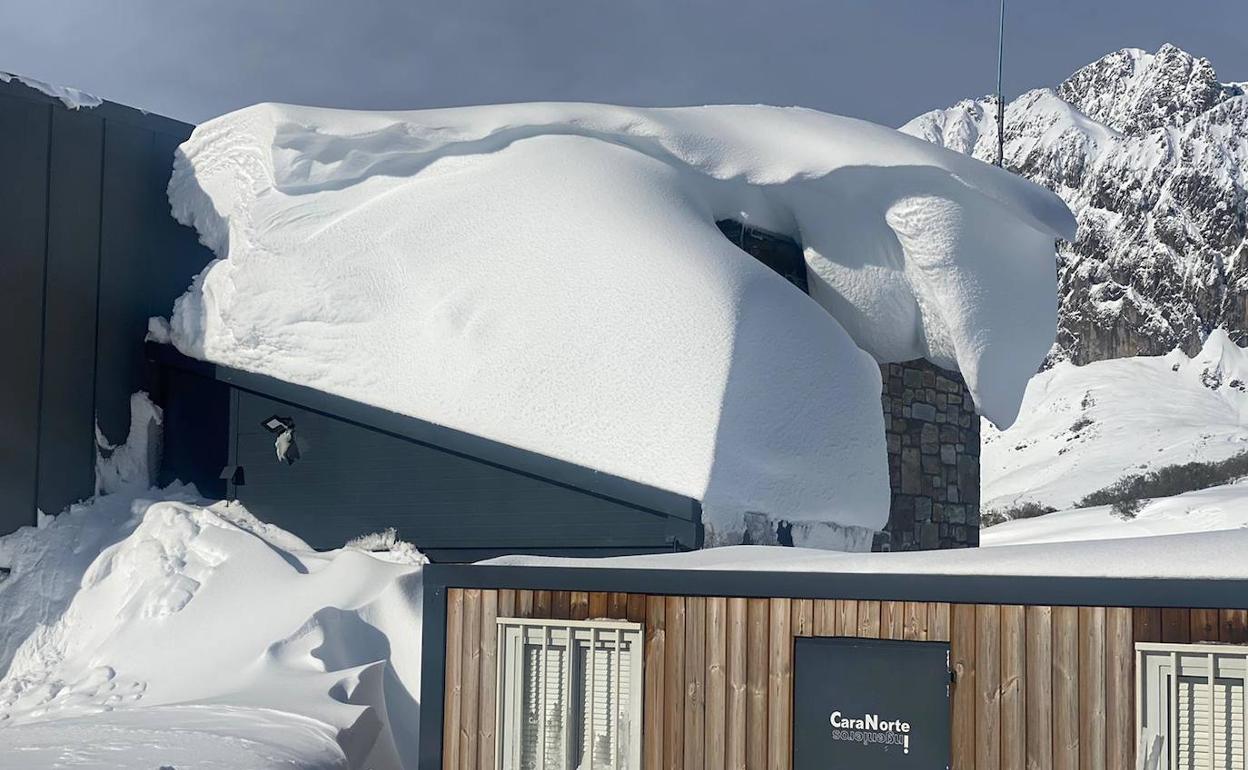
x=1203, y=555
x=550, y=276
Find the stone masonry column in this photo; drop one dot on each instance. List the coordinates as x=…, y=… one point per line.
x=932, y=432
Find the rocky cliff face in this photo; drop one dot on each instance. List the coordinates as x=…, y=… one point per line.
x=1150, y=151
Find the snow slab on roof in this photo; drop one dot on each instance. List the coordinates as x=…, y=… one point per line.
x=1204, y=555
x=72, y=98
x=550, y=276
x=161, y=630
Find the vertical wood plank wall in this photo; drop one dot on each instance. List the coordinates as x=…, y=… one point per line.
x=1036, y=687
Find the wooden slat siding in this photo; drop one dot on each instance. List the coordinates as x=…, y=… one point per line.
x=780, y=687
x=1013, y=687
x=1039, y=688
x=1204, y=626
x=914, y=622
x=695, y=682
x=756, y=684
x=507, y=603
x=803, y=617
x=454, y=683
x=1175, y=625
x=892, y=619
x=487, y=716
x=579, y=609
x=1146, y=624
x=1092, y=688
x=636, y=607
x=1065, y=688
x=1234, y=626
x=673, y=684
x=1119, y=690
x=716, y=682
x=826, y=617
x=617, y=606
x=962, y=660
x=988, y=687
x=653, y=708
x=846, y=617
x=737, y=693
x=598, y=602
x=938, y=621
x=524, y=604
x=543, y=601
x=869, y=619
x=561, y=605
x=470, y=672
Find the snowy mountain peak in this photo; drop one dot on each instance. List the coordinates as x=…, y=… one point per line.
x=1134, y=91
x=1150, y=151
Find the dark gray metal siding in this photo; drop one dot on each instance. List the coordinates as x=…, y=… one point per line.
x=23, y=227
x=350, y=481
x=66, y=450
x=457, y=496
x=88, y=252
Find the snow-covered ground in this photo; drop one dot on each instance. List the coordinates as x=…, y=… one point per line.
x=550, y=276
x=1082, y=428
x=166, y=631
x=1206, y=510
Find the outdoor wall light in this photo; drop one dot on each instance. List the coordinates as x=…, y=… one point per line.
x=284, y=444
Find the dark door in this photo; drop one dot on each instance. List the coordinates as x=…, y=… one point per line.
x=870, y=704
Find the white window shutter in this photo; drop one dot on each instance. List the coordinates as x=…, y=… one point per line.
x=605, y=701
x=569, y=695
x=1193, y=696
x=1199, y=738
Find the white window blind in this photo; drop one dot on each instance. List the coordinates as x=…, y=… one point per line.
x=569, y=695
x=1192, y=698
x=1210, y=729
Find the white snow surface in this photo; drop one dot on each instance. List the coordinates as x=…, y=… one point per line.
x=161, y=630
x=1205, y=510
x=72, y=98
x=1202, y=555
x=550, y=276
x=133, y=464
x=1082, y=428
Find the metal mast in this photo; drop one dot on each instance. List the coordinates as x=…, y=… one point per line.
x=1000, y=98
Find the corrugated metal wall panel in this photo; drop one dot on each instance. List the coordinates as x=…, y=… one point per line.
x=66, y=446
x=92, y=184
x=352, y=480
x=23, y=226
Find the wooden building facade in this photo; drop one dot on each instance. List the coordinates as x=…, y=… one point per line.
x=1036, y=683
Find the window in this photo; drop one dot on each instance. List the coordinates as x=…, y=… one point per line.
x=569, y=695
x=1190, y=706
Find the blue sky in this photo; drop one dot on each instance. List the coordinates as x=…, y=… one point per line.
x=886, y=60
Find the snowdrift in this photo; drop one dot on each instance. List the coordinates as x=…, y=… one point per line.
x=550, y=276
x=1084, y=427
x=179, y=633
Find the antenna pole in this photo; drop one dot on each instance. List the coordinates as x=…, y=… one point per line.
x=1000, y=98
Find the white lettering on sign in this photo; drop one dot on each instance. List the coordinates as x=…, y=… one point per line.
x=870, y=728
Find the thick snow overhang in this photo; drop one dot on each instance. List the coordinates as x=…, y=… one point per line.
x=551, y=276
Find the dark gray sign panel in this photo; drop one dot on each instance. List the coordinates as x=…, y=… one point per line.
x=870, y=704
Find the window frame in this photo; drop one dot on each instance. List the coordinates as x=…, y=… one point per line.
x=1156, y=687
x=514, y=634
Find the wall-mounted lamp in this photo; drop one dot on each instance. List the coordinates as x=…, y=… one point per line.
x=284, y=444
